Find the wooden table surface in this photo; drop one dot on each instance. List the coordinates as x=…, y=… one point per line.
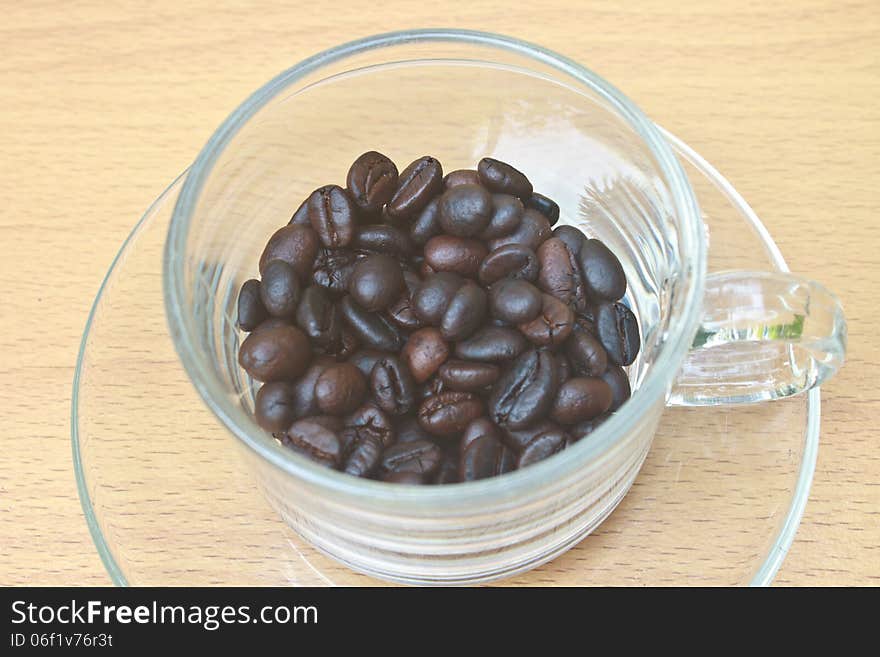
x=102, y=104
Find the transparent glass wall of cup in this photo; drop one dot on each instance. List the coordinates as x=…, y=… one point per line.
x=460, y=96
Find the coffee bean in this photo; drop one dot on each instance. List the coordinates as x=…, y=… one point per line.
x=301, y=216
x=465, y=313
x=372, y=330
x=434, y=295
x=533, y=230
x=372, y=181
x=320, y=318
x=275, y=354
x=407, y=429
x=402, y=312
x=340, y=389
x=393, y=386
x=583, y=429
x=368, y=421
x=545, y=206
x=480, y=428
x=332, y=215
x=603, y=273
x=461, y=177
x=485, y=457
x=493, y=344
x=251, y=311
x=468, y=376
x=618, y=331
x=515, y=301
x=500, y=177
x=563, y=369
x=376, y=282
x=542, y=446
x=460, y=255
x=581, y=399
x=616, y=377
x=348, y=344
x=586, y=353
x=507, y=212
x=333, y=268
x=419, y=457
x=362, y=457
x=382, y=238
x=448, y=413
x=572, y=237
x=510, y=261
x=465, y=210
x=552, y=325
x=303, y=403
x=448, y=471
x=427, y=223
x=274, y=406
x=279, y=289
x=559, y=274
x=519, y=439
x=431, y=387
x=365, y=359
x=314, y=440
x=525, y=392
x=416, y=186
x=296, y=245
x=424, y=352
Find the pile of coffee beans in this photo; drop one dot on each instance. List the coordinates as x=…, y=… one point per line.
x=420, y=329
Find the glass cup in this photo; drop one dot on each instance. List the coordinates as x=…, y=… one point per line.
x=734, y=337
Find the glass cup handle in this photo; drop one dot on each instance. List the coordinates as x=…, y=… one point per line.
x=762, y=336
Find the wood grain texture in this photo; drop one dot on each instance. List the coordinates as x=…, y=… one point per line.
x=101, y=106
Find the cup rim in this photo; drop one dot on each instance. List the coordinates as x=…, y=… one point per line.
x=655, y=386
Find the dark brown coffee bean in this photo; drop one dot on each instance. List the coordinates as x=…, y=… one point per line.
x=275, y=406
x=251, y=311
x=382, y=238
x=374, y=331
x=525, y=392
x=460, y=255
x=519, y=439
x=468, y=376
x=618, y=331
x=427, y=224
x=586, y=353
x=402, y=312
x=304, y=403
x=603, y=273
x=407, y=429
x=275, y=354
x=507, y=212
x=552, y=325
x=542, y=446
x=559, y=274
x=372, y=181
x=315, y=441
x=333, y=268
x=573, y=237
x=581, y=399
x=368, y=421
x=416, y=186
x=465, y=210
x=583, y=429
x=349, y=342
x=362, y=458
x=301, y=216
x=376, y=282
x=365, y=359
x=296, y=245
x=493, y=344
x=510, y=261
x=332, y=215
x=320, y=318
x=480, y=428
x=461, y=177
x=419, y=457
x=434, y=295
x=449, y=413
x=485, y=457
x=340, y=389
x=424, y=352
x=465, y=313
x=431, y=387
x=500, y=177
x=515, y=301
x=545, y=206
x=533, y=230
x=279, y=289
x=616, y=377
x=393, y=386
x=448, y=472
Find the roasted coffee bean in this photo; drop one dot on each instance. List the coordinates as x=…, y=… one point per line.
x=382, y=238
x=493, y=344
x=314, y=440
x=563, y=369
x=304, y=403
x=460, y=255
x=586, y=353
x=507, y=212
x=374, y=331
x=500, y=177
x=515, y=301
x=525, y=392
x=465, y=210
x=296, y=245
x=581, y=399
x=559, y=274
x=532, y=231
x=320, y=318
x=448, y=471
x=424, y=352
x=479, y=428
x=465, y=313
x=279, y=289
x=572, y=237
x=510, y=261
x=419, y=457
x=275, y=354
x=347, y=345
x=542, y=446
x=340, y=389
x=407, y=429
x=393, y=386
x=362, y=457
x=583, y=429
x=416, y=186
x=434, y=295
x=616, y=377
x=553, y=324
x=485, y=457
x=427, y=224
x=545, y=206
x=431, y=387
x=519, y=439
x=301, y=216
x=251, y=311
x=461, y=177
x=332, y=215
x=603, y=273
x=333, y=268
x=618, y=331
x=468, y=376
x=365, y=359
x=376, y=282
x=372, y=181
x=275, y=406
x=449, y=413
x=368, y=421
x=402, y=312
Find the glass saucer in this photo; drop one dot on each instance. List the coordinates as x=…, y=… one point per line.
x=168, y=500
